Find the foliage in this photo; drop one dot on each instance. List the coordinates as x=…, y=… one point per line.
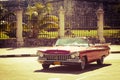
x=11, y=30
x=4, y=13
x=4, y=25
x=7, y=28
x=3, y=35
x=40, y=19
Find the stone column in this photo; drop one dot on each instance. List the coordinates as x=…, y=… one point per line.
x=61, y=32
x=100, y=24
x=69, y=7
x=19, y=29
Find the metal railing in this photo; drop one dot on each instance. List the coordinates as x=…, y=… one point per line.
x=80, y=20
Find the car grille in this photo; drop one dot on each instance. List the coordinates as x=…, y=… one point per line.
x=57, y=57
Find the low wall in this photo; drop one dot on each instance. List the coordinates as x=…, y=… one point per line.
x=7, y=43
x=44, y=42
x=39, y=42
x=27, y=42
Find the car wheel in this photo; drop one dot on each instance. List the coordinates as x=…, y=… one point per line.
x=45, y=66
x=100, y=61
x=83, y=63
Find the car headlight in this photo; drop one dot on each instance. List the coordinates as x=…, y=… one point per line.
x=40, y=54
x=76, y=54
x=73, y=56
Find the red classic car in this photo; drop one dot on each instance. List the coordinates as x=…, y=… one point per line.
x=73, y=51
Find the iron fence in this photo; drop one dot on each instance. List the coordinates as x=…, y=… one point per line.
x=80, y=19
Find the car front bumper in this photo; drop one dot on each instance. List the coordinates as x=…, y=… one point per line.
x=74, y=61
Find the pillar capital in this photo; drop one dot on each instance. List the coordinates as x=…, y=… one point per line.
x=61, y=10
x=100, y=10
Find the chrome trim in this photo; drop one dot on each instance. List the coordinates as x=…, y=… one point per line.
x=60, y=57
x=79, y=61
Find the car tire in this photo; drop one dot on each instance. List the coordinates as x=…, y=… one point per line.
x=83, y=63
x=100, y=61
x=45, y=66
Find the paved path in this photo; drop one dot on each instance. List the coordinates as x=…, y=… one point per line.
x=27, y=68
x=115, y=48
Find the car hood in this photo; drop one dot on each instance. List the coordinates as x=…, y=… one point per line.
x=62, y=50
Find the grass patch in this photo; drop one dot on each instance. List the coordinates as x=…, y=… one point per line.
x=82, y=33
x=112, y=33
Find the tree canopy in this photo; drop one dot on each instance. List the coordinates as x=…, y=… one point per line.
x=40, y=17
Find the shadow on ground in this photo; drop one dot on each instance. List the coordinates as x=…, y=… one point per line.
x=72, y=69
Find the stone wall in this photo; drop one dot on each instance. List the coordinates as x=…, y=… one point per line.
x=38, y=42
x=46, y=42
x=27, y=42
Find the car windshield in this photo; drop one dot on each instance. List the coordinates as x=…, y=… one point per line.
x=72, y=42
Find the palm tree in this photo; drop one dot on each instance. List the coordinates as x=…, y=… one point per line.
x=40, y=19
